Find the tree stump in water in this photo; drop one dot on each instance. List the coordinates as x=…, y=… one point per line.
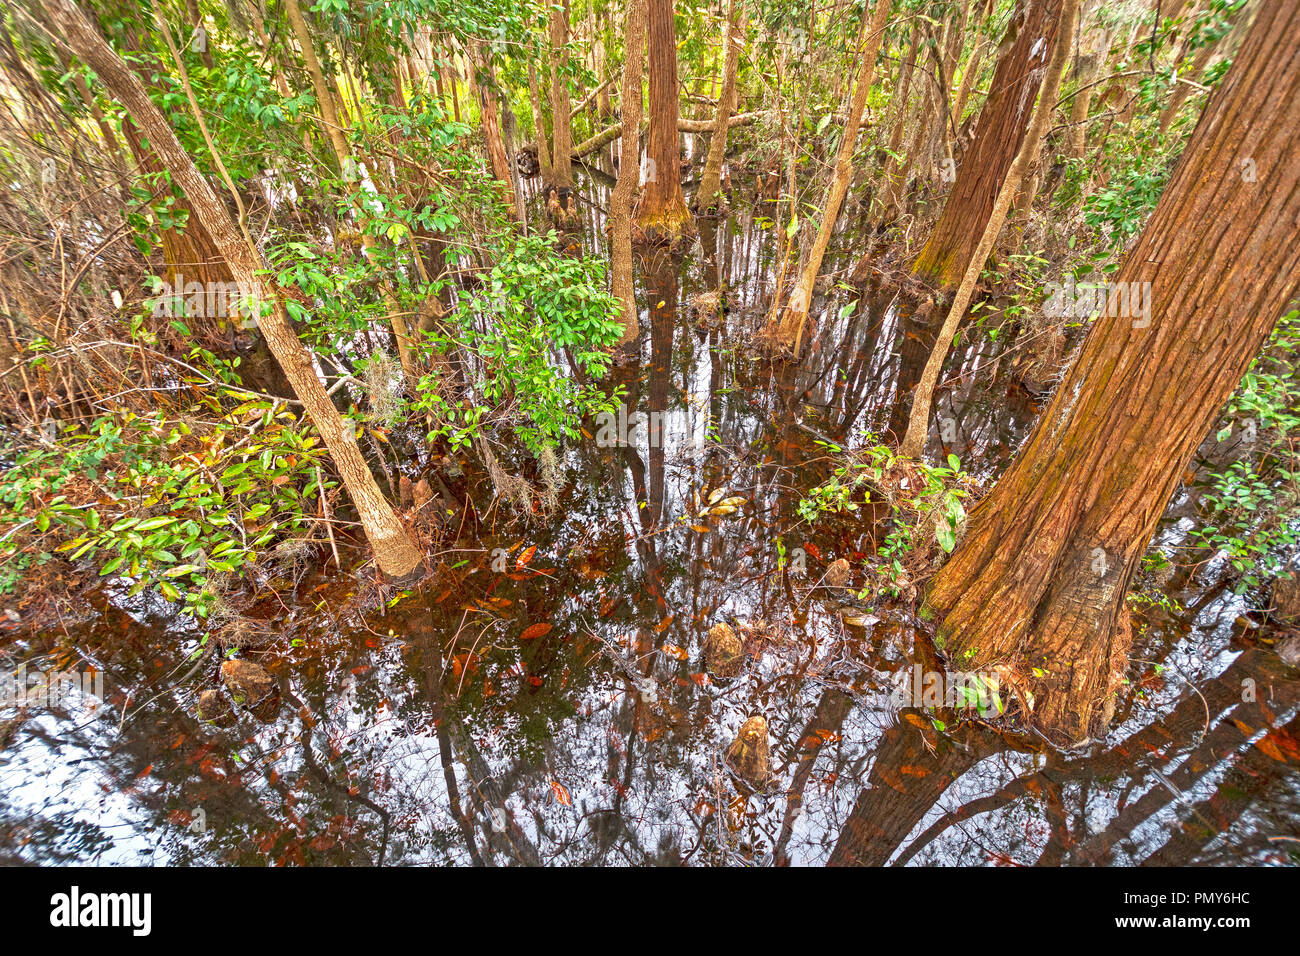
x=723, y=652
x=837, y=575
x=750, y=754
x=213, y=708
x=248, y=682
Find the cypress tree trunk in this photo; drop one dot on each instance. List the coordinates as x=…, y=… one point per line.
x=539, y=127
x=1001, y=130
x=561, y=159
x=489, y=119
x=919, y=418
x=336, y=132
x=1039, y=580
x=629, y=170
x=889, y=185
x=663, y=216
x=789, y=332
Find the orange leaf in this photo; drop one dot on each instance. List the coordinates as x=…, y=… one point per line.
x=672, y=650
x=534, y=631
x=561, y=793
x=1270, y=748
x=525, y=556
x=663, y=625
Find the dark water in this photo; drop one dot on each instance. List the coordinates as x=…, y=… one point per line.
x=440, y=730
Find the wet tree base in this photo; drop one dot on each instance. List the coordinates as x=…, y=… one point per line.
x=1063, y=677
x=671, y=227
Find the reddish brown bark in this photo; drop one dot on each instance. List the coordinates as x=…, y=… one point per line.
x=490, y=120
x=999, y=132
x=629, y=171
x=663, y=216
x=562, y=164
x=919, y=417
x=1040, y=578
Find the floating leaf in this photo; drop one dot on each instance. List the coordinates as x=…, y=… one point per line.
x=534, y=631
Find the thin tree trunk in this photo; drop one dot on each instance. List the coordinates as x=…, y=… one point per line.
x=629, y=170
x=789, y=332
x=395, y=552
x=1040, y=578
x=489, y=119
x=336, y=133
x=1076, y=141
x=1091, y=51
x=1181, y=90
x=710, y=181
x=539, y=126
x=886, y=187
x=968, y=77
x=919, y=420
x=562, y=165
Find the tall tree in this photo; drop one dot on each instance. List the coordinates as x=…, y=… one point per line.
x=1040, y=578
x=629, y=169
x=395, y=551
x=335, y=129
x=490, y=119
x=711, y=178
x=889, y=186
x=561, y=155
x=663, y=216
x=919, y=418
x=999, y=132
x=789, y=330
x=1091, y=47
x=539, y=127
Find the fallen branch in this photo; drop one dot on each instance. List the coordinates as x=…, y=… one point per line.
x=683, y=126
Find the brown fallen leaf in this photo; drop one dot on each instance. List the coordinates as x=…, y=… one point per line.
x=534, y=631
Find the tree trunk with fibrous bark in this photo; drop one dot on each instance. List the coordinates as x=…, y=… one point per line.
x=629, y=171
x=999, y=133
x=663, y=216
x=1039, y=580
